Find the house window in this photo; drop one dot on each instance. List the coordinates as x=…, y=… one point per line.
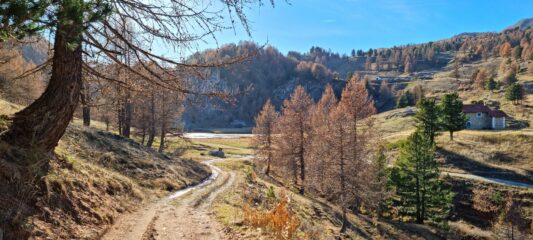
x=478, y=114
x=468, y=124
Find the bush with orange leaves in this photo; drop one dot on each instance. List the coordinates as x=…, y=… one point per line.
x=280, y=221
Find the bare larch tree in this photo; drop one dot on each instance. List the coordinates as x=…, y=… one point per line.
x=264, y=133
x=96, y=26
x=294, y=128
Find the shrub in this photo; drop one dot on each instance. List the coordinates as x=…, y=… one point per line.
x=487, y=200
x=249, y=174
x=279, y=221
x=271, y=195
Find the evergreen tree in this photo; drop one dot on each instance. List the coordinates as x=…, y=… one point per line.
x=490, y=84
x=416, y=179
x=405, y=100
x=402, y=101
x=379, y=190
x=427, y=117
x=514, y=93
x=510, y=78
x=452, y=118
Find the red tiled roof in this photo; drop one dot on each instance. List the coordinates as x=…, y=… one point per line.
x=497, y=113
x=475, y=108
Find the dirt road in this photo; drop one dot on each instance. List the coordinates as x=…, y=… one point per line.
x=183, y=215
x=504, y=182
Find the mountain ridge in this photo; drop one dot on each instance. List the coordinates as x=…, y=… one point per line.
x=522, y=24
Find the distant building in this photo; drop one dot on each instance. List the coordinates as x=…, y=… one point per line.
x=391, y=79
x=482, y=117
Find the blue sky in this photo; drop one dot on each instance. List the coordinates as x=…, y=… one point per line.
x=342, y=25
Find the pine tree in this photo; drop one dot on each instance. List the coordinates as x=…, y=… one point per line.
x=406, y=99
x=514, y=93
x=263, y=134
x=427, y=117
x=415, y=176
x=402, y=101
x=379, y=193
x=452, y=118
x=490, y=84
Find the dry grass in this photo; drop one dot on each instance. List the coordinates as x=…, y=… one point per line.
x=149, y=168
x=318, y=219
x=395, y=123
x=462, y=230
x=98, y=175
x=198, y=149
x=82, y=199
x=510, y=150
x=103, y=175
x=7, y=108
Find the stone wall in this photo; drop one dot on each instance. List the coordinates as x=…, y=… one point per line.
x=480, y=121
x=499, y=123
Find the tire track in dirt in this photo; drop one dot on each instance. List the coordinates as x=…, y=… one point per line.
x=183, y=215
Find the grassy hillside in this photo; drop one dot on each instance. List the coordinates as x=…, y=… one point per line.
x=97, y=175
x=313, y=218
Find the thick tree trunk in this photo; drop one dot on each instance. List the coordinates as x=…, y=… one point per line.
x=451, y=135
x=42, y=124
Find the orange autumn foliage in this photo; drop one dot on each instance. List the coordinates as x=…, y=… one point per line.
x=280, y=221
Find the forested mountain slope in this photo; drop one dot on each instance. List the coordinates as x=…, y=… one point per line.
x=271, y=74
